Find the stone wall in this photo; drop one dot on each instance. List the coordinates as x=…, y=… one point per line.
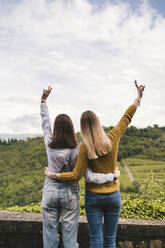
x=24, y=230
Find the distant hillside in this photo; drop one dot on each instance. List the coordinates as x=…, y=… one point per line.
x=22, y=162
x=146, y=142
x=21, y=136
x=22, y=171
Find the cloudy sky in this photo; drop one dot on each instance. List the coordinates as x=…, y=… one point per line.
x=90, y=51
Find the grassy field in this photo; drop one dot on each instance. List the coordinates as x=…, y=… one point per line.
x=149, y=178
x=124, y=180
x=141, y=168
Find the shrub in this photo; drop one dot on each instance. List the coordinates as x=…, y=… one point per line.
x=138, y=208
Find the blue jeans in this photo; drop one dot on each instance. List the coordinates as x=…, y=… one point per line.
x=60, y=201
x=98, y=206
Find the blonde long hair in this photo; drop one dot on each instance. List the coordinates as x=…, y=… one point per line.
x=94, y=137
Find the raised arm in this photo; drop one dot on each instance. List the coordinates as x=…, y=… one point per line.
x=120, y=128
x=46, y=126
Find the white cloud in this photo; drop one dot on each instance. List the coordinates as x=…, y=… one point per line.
x=92, y=54
x=25, y=123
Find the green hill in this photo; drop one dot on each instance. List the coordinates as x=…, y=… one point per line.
x=22, y=162
x=21, y=171
x=143, y=142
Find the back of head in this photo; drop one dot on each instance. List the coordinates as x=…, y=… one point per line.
x=94, y=137
x=63, y=133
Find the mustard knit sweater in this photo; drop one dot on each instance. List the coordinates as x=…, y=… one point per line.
x=104, y=164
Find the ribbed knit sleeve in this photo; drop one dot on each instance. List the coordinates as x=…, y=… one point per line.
x=120, y=128
x=80, y=167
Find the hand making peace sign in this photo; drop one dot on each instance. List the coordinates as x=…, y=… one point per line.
x=140, y=90
x=46, y=93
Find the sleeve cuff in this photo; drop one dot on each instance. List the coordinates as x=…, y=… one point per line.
x=136, y=102
x=110, y=177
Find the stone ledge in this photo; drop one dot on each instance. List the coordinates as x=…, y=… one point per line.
x=26, y=216
x=17, y=229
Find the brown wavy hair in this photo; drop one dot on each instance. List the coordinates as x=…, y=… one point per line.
x=63, y=133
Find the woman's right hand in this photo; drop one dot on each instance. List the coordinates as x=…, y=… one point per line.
x=46, y=93
x=140, y=90
x=51, y=174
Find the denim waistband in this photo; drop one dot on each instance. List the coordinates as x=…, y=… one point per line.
x=87, y=192
x=57, y=183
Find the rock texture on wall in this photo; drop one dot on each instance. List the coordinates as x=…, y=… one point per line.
x=24, y=230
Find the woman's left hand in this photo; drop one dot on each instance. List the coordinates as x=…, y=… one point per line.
x=46, y=93
x=51, y=174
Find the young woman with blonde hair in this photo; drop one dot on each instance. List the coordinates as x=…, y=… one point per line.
x=99, y=152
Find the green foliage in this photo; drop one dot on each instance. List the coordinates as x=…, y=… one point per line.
x=32, y=208
x=125, y=183
x=7, y=142
x=152, y=188
x=148, y=142
x=149, y=178
x=131, y=208
x=21, y=167
x=149, y=174
x=78, y=137
x=133, y=188
x=142, y=208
